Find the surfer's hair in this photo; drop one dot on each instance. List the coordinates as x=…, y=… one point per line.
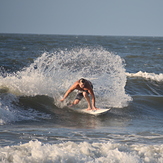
x=82, y=80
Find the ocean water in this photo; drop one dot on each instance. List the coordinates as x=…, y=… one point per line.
x=127, y=74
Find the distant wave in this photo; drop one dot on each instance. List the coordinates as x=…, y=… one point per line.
x=146, y=75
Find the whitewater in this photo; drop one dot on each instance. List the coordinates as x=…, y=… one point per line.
x=52, y=73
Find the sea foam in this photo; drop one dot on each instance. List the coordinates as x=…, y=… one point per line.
x=35, y=151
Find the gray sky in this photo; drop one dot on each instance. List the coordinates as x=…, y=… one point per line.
x=82, y=17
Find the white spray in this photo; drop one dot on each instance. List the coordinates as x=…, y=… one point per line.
x=52, y=73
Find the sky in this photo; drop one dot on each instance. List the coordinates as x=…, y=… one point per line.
x=82, y=17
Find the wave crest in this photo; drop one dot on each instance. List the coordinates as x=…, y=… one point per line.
x=151, y=76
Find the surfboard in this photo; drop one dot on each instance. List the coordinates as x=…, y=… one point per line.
x=94, y=112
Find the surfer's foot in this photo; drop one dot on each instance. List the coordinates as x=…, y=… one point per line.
x=88, y=109
x=95, y=108
x=92, y=109
x=70, y=104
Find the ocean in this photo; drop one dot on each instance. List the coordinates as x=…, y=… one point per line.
x=127, y=75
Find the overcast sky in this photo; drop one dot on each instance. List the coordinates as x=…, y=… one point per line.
x=82, y=17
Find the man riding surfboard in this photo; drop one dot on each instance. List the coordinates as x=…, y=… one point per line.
x=85, y=88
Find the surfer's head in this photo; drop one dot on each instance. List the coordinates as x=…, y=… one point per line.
x=82, y=82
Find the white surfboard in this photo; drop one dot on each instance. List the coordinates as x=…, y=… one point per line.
x=94, y=112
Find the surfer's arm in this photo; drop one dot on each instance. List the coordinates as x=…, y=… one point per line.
x=73, y=87
x=93, y=99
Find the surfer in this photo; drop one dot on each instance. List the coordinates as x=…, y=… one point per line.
x=85, y=88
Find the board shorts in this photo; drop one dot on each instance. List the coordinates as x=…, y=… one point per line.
x=79, y=96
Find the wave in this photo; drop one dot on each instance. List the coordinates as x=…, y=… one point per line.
x=12, y=110
x=109, y=151
x=151, y=105
x=150, y=76
x=52, y=73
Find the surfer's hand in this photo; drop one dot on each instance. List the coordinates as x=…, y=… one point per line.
x=62, y=99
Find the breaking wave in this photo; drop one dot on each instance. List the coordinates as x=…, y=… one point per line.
x=52, y=73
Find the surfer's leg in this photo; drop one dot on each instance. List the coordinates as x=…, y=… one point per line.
x=85, y=94
x=75, y=102
x=78, y=97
